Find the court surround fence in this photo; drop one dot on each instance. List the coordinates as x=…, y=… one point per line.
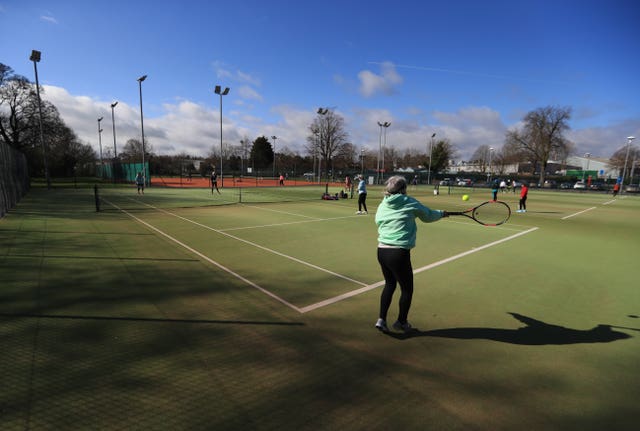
x=14, y=177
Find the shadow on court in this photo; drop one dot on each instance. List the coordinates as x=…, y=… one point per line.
x=534, y=333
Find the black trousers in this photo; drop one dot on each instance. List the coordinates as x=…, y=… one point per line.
x=523, y=203
x=362, y=201
x=396, y=268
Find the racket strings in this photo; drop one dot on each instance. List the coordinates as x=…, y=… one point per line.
x=492, y=213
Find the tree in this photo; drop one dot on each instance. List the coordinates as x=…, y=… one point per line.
x=481, y=157
x=262, y=153
x=20, y=128
x=346, y=158
x=617, y=161
x=327, y=136
x=441, y=153
x=542, y=135
x=132, y=151
x=18, y=109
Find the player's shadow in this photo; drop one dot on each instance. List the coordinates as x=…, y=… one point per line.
x=534, y=332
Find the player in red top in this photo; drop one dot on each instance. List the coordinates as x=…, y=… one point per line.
x=523, y=199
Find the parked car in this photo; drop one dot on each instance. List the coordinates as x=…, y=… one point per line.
x=446, y=182
x=580, y=186
x=465, y=183
x=566, y=186
x=597, y=186
x=632, y=188
x=550, y=184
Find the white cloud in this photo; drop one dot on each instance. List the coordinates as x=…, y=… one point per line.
x=249, y=93
x=48, y=18
x=385, y=83
x=185, y=126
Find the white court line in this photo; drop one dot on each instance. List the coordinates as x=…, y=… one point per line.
x=578, y=213
x=320, y=304
x=609, y=202
x=279, y=211
x=286, y=256
x=206, y=258
x=415, y=271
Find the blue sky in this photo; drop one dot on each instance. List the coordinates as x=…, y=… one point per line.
x=466, y=70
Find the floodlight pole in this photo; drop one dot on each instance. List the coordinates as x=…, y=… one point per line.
x=381, y=149
x=323, y=112
x=221, y=92
x=626, y=159
x=430, y=156
x=274, y=155
x=113, y=123
x=587, y=155
x=35, y=57
x=243, y=145
x=384, y=147
x=379, y=153
x=144, y=171
x=100, y=144
x=315, y=150
x=490, y=153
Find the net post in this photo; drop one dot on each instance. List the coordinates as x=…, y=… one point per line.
x=239, y=195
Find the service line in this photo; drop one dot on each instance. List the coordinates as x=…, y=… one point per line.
x=578, y=213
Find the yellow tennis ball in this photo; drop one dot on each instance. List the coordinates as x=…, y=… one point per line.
x=465, y=197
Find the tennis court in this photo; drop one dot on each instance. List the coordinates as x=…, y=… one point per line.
x=254, y=309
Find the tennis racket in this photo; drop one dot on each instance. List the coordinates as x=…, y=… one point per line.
x=491, y=213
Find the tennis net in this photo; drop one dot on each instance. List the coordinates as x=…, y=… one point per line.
x=109, y=198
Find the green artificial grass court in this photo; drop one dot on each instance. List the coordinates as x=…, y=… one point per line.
x=183, y=310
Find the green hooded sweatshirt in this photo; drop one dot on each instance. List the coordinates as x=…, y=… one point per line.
x=396, y=220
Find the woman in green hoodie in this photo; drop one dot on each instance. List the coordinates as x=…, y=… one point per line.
x=396, y=220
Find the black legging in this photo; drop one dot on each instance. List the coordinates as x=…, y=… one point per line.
x=362, y=197
x=396, y=268
x=523, y=203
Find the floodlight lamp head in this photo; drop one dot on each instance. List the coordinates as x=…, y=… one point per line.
x=631, y=138
x=274, y=137
x=142, y=78
x=35, y=56
x=113, y=105
x=100, y=119
x=217, y=89
x=226, y=91
x=433, y=136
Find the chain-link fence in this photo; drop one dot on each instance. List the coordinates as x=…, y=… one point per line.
x=14, y=177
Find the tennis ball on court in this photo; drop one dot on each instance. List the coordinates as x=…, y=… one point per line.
x=465, y=197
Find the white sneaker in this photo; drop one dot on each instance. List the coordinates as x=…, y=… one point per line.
x=358, y=212
x=381, y=325
x=404, y=327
